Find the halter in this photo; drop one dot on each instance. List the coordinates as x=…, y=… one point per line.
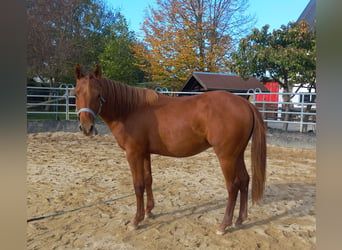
x=101, y=99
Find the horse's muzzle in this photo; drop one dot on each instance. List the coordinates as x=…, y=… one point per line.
x=88, y=130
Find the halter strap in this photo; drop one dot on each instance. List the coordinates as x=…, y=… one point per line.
x=86, y=110
x=101, y=99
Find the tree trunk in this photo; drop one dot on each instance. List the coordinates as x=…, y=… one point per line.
x=306, y=117
x=286, y=107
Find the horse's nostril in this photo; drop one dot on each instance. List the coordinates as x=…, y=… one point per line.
x=91, y=128
x=80, y=127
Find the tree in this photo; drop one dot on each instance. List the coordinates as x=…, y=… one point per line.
x=192, y=35
x=286, y=56
x=117, y=60
x=62, y=33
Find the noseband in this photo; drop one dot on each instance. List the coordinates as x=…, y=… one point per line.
x=101, y=100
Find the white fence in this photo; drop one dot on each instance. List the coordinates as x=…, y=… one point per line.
x=300, y=114
x=51, y=103
x=59, y=104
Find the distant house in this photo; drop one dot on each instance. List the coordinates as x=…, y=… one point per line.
x=308, y=15
x=206, y=81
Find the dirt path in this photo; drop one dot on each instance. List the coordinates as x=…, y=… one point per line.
x=68, y=170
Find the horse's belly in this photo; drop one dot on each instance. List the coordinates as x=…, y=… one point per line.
x=180, y=147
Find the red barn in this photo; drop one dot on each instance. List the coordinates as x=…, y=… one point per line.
x=273, y=87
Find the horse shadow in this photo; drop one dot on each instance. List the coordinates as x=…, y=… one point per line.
x=271, y=196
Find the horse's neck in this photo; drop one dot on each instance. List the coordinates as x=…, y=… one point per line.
x=109, y=109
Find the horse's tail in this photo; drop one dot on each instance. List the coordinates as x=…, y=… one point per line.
x=258, y=155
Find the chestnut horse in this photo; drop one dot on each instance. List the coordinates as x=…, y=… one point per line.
x=144, y=122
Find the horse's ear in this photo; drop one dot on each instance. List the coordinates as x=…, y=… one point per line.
x=78, y=71
x=97, y=72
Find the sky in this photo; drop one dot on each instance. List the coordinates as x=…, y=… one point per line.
x=272, y=12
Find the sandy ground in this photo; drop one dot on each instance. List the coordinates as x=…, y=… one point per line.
x=75, y=174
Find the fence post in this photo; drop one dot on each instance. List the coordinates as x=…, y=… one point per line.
x=67, y=103
x=301, y=113
x=66, y=96
x=252, y=93
x=55, y=94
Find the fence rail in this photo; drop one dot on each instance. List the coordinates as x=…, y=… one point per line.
x=300, y=112
x=58, y=102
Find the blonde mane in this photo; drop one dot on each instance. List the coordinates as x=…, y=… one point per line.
x=123, y=99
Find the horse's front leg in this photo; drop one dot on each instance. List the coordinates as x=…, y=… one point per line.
x=136, y=163
x=148, y=186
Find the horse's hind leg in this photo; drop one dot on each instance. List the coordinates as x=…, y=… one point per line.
x=148, y=186
x=228, y=166
x=243, y=181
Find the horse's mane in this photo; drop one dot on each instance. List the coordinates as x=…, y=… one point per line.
x=123, y=99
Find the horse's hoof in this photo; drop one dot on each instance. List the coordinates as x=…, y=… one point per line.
x=149, y=216
x=238, y=223
x=132, y=227
x=219, y=232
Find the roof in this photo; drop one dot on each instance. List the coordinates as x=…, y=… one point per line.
x=309, y=13
x=205, y=81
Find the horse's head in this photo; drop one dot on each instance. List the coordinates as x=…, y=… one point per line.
x=88, y=98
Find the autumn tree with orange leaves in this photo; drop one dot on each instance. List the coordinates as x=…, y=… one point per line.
x=182, y=36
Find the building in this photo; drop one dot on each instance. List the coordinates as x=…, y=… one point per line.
x=309, y=14
x=206, y=81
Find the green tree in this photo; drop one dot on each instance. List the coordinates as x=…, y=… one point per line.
x=117, y=60
x=286, y=56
